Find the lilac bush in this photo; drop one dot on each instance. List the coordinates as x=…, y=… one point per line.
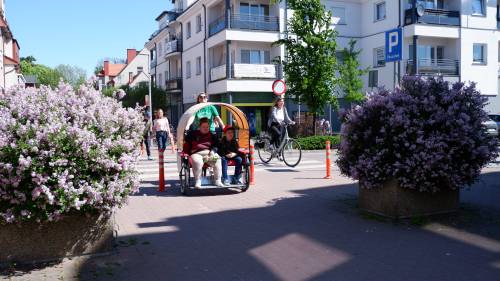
x=427, y=134
x=63, y=151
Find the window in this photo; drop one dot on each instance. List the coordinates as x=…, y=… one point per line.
x=198, y=23
x=160, y=79
x=434, y=4
x=188, y=30
x=160, y=49
x=339, y=55
x=166, y=78
x=338, y=15
x=379, y=11
x=140, y=69
x=130, y=77
x=479, y=53
x=188, y=69
x=373, y=78
x=198, y=65
x=478, y=7
x=427, y=52
x=255, y=57
x=254, y=9
x=379, y=57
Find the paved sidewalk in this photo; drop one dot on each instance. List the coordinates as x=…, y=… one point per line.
x=292, y=225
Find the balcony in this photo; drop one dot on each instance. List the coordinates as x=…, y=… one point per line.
x=247, y=71
x=444, y=67
x=244, y=22
x=173, y=84
x=153, y=63
x=433, y=16
x=173, y=46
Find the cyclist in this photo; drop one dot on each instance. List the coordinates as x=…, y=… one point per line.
x=279, y=117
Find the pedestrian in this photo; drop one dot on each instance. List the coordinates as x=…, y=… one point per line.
x=147, y=132
x=327, y=128
x=321, y=126
x=209, y=112
x=229, y=150
x=161, y=127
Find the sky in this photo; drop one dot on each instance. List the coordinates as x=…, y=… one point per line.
x=81, y=32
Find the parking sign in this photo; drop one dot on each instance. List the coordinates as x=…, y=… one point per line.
x=393, y=45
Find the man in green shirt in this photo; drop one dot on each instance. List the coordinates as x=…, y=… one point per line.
x=209, y=112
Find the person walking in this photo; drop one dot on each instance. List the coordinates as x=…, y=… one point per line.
x=209, y=112
x=147, y=132
x=161, y=128
x=279, y=117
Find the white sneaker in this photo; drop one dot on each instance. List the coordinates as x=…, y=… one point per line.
x=219, y=183
x=150, y=158
x=197, y=184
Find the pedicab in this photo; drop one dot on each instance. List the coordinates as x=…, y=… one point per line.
x=184, y=163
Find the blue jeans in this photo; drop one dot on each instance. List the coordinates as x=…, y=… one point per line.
x=161, y=140
x=237, y=170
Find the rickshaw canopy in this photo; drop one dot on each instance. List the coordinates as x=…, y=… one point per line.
x=242, y=126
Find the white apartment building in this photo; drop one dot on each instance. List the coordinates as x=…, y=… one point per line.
x=10, y=71
x=227, y=46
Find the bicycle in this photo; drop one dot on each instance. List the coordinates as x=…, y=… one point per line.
x=289, y=150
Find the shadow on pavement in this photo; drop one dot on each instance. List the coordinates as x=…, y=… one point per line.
x=317, y=235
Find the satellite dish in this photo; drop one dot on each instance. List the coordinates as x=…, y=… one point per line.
x=420, y=10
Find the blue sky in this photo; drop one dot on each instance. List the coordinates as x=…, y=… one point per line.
x=80, y=32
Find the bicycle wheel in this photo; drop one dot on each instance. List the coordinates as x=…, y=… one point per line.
x=265, y=152
x=292, y=153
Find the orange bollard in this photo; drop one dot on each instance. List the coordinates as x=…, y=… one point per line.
x=252, y=168
x=161, y=187
x=328, y=163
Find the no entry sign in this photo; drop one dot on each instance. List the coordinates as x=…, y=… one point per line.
x=279, y=87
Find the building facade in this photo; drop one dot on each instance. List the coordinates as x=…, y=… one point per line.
x=227, y=48
x=134, y=71
x=10, y=71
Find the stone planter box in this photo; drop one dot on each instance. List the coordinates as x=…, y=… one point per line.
x=73, y=235
x=395, y=202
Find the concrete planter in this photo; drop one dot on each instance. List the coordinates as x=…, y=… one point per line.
x=395, y=202
x=73, y=235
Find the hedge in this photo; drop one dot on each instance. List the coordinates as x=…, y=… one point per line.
x=318, y=142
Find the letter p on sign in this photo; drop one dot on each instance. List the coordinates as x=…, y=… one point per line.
x=393, y=45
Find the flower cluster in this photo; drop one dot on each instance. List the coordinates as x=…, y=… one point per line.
x=64, y=150
x=427, y=134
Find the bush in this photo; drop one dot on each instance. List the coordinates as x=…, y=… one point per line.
x=318, y=142
x=427, y=134
x=63, y=151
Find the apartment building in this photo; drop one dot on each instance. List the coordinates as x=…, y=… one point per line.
x=227, y=46
x=135, y=70
x=226, y=51
x=455, y=39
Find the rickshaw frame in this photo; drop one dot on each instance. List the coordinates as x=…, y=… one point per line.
x=243, y=135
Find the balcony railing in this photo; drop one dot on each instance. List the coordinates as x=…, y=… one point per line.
x=445, y=67
x=173, y=84
x=247, y=71
x=218, y=73
x=173, y=46
x=433, y=16
x=249, y=22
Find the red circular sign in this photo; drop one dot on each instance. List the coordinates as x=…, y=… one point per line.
x=279, y=87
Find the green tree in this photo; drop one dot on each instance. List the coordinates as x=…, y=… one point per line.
x=350, y=73
x=72, y=74
x=136, y=95
x=44, y=74
x=310, y=62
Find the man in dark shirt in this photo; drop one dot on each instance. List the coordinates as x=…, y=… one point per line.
x=202, y=146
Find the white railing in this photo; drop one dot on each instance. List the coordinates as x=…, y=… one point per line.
x=218, y=72
x=243, y=70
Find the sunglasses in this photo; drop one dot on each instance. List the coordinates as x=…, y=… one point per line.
x=203, y=97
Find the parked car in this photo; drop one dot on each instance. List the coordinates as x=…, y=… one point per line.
x=491, y=127
x=496, y=118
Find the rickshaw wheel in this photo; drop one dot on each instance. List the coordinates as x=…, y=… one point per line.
x=184, y=178
x=247, y=176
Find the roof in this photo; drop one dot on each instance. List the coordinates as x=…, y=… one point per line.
x=30, y=79
x=115, y=69
x=161, y=15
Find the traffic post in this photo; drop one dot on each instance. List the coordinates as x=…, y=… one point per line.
x=328, y=163
x=252, y=168
x=161, y=187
